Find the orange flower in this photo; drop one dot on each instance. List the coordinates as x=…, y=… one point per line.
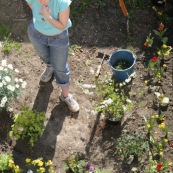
x=171, y=145
x=163, y=119
x=160, y=27
x=146, y=44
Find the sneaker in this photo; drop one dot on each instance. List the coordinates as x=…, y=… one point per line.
x=72, y=104
x=47, y=74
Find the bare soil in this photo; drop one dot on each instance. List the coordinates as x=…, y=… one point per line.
x=97, y=30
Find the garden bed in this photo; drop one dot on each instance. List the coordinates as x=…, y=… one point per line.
x=98, y=29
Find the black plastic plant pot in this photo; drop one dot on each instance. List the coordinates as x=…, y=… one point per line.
x=113, y=121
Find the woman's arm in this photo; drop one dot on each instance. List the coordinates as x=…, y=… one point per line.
x=61, y=23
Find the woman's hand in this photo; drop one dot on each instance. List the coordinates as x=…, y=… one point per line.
x=45, y=12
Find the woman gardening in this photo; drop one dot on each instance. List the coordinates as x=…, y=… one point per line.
x=48, y=32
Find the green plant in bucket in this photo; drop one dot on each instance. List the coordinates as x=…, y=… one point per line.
x=121, y=65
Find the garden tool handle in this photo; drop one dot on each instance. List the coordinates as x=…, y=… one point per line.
x=123, y=8
x=99, y=67
x=98, y=70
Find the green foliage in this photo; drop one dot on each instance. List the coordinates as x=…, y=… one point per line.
x=101, y=4
x=160, y=34
x=151, y=167
x=161, y=14
x=7, y=164
x=4, y=31
x=113, y=100
x=75, y=49
x=8, y=45
x=102, y=171
x=4, y=161
x=74, y=164
x=136, y=3
x=28, y=124
x=10, y=85
x=129, y=145
x=77, y=8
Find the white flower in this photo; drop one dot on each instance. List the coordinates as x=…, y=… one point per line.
x=24, y=84
x=16, y=70
x=3, y=101
x=16, y=80
x=21, y=129
x=106, y=102
x=10, y=66
x=2, y=105
x=128, y=101
x=17, y=86
x=11, y=88
x=124, y=108
x=10, y=109
x=5, y=83
x=133, y=74
x=7, y=78
x=87, y=92
x=1, y=84
x=20, y=80
x=5, y=69
x=1, y=68
x=120, y=84
x=128, y=80
x=4, y=63
x=29, y=171
x=88, y=86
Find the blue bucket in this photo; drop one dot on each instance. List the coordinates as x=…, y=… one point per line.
x=122, y=55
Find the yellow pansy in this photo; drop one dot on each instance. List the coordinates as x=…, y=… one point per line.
x=146, y=81
x=11, y=164
x=159, y=53
x=157, y=116
x=165, y=140
x=27, y=160
x=164, y=46
x=40, y=163
x=148, y=125
x=154, y=8
x=164, y=65
x=161, y=153
x=162, y=125
x=41, y=169
x=170, y=163
x=51, y=170
x=49, y=162
x=167, y=54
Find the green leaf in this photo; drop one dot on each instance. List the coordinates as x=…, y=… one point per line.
x=157, y=33
x=165, y=40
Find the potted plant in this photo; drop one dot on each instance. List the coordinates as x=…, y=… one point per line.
x=114, y=102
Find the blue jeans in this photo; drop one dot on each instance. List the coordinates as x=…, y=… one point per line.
x=53, y=50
